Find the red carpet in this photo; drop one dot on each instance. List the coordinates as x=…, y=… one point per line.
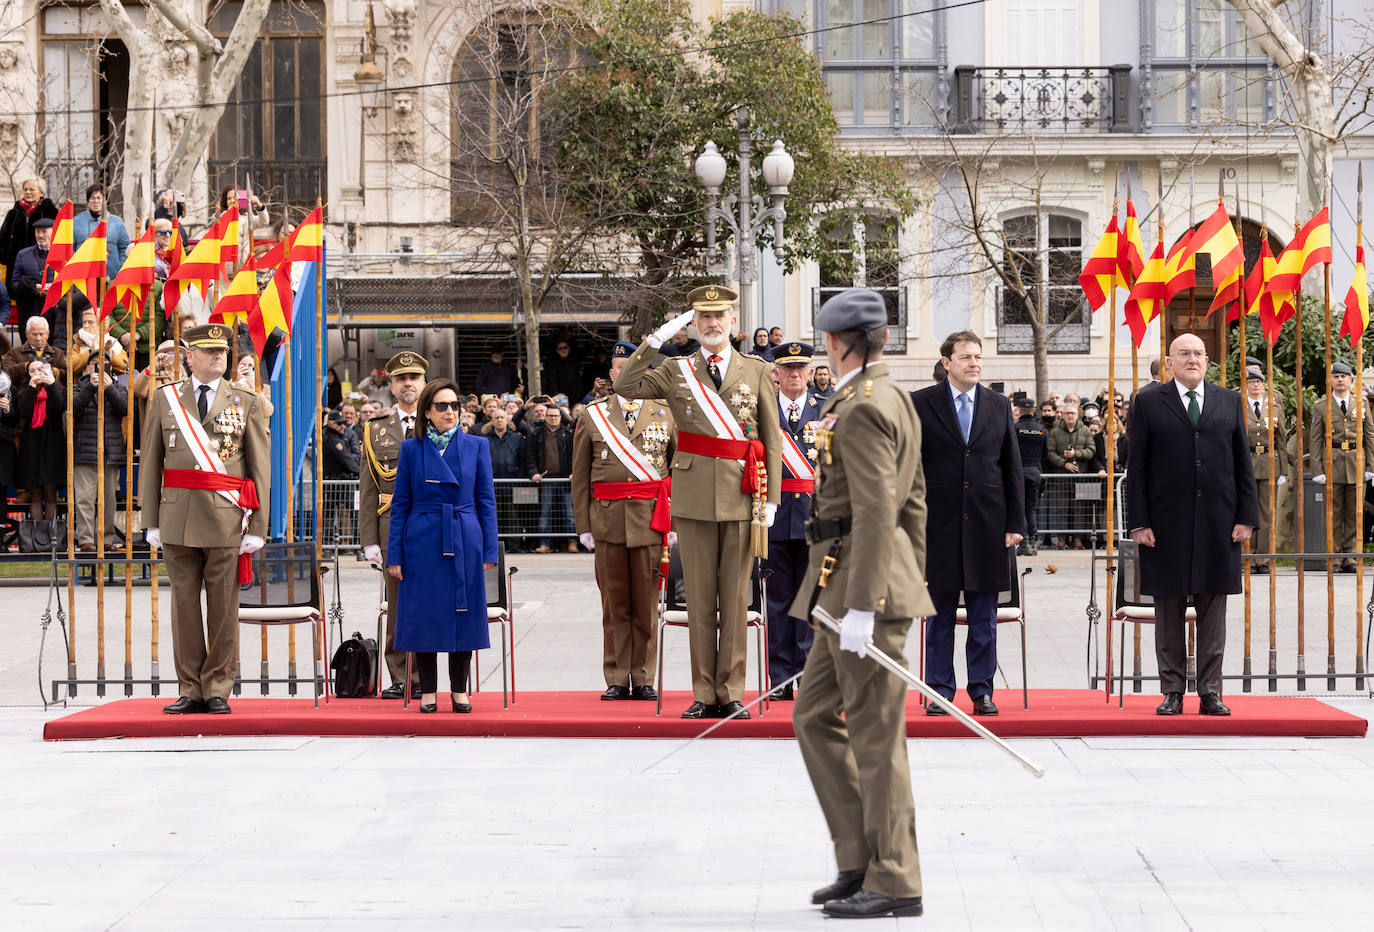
x=1053, y=713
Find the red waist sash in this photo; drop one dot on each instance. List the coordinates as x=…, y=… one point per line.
x=751, y=451
x=659, y=490
x=790, y=484
x=218, y=482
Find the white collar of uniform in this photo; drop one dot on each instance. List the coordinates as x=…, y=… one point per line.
x=1339, y=398
x=788, y=402
x=1183, y=392
x=197, y=383
x=724, y=355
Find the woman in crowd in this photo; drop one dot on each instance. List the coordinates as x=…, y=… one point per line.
x=247, y=375
x=17, y=231
x=42, y=465
x=441, y=541
x=761, y=345
x=333, y=389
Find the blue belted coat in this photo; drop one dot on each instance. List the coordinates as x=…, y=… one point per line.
x=443, y=527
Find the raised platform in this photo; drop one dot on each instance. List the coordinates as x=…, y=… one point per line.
x=1052, y=714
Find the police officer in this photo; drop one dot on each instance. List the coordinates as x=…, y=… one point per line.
x=1339, y=476
x=381, y=449
x=1257, y=436
x=789, y=638
x=1032, y=436
x=867, y=566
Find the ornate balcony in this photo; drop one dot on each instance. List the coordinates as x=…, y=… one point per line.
x=1042, y=100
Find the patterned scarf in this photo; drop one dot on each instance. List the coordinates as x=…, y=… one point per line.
x=440, y=440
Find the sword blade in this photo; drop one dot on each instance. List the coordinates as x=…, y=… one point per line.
x=735, y=714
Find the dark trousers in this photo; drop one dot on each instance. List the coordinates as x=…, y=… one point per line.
x=980, y=653
x=555, y=510
x=1171, y=641
x=427, y=666
x=1032, y=497
x=789, y=639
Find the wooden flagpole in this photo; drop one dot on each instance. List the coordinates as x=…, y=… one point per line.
x=1246, y=547
x=1299, y=466
x=101, y=370
x=154, y=569
x=321, y=354
x=68, y=423
x=127, y=430
x=1326, y=497
x=1360, y=464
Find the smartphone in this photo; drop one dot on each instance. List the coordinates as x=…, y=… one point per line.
x=243, y=200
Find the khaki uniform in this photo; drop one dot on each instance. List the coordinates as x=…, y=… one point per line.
x=711, y=513
x=1257, y=436
x=1342, y=480
x=201, y=530
x=382, y=438
x=628, y=551
x=850, y=716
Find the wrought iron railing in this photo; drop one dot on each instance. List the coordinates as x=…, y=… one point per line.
x=1042, y=100
x=894, y=297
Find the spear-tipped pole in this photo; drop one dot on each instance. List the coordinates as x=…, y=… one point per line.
x=1246, y=547
x=1299, y=468
x=1360, y=464
x=1326, y=498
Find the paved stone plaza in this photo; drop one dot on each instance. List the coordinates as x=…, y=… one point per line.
x=533, y=834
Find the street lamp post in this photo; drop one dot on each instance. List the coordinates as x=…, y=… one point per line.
x=369, y=80
x=744, y=212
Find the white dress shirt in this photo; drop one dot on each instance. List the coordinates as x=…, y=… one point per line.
x=1183, y=395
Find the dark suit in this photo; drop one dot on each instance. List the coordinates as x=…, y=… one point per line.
x=1190, y=486
x=789, y=639
x=974, y=493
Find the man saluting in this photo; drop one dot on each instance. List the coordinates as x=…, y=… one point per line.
x=724, y=484
x=204, y=472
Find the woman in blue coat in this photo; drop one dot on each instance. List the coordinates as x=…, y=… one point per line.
x=442, y=539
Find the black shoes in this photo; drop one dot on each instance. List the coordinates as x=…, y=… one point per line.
x=460, y=706
x=617, y=691
x=869, y=905
x=431, y=707
x=1347, y=567
x=1259, y=569
x=782, y=694
x=394, y=691
x=217, y=706
x=983, y=705
x=734, y=709
x=1172, y=704
x=184, y=706
x=1211, y=704
x=846, y=884
x=934, y=708
x=643, y=692
x=700, y=710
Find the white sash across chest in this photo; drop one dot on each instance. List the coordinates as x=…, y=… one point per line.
x=624, y=449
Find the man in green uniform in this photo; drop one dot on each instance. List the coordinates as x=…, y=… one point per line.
x=867, y=567
x=1340, y=477
x=382, y=438
x=1257, y=436
x=204, y=491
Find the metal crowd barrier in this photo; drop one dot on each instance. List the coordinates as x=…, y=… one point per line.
x=1072, y=507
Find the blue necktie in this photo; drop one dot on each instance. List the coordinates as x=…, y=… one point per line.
x=965, y=414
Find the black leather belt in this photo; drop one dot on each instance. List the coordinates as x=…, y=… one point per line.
x=819, y=529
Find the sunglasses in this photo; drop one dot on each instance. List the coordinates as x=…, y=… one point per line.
x=444, y=407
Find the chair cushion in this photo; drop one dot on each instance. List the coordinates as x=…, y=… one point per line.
x=675, y=618
x=1146, y=613
x=1004, y=613
x=278, y=615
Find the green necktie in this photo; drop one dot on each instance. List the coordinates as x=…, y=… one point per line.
x=1194, y=412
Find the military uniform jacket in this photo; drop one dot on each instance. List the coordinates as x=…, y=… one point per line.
x=627, y=521
x=706, y=488
x=382, y=438
x=238, y=433
x=869, y=442
x=1342, y=468
x=795, y=507
x=1257, y=433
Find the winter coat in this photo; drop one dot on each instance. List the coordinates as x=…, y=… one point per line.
x=84, y=417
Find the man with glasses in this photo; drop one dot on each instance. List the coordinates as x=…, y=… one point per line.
x=1190, y=495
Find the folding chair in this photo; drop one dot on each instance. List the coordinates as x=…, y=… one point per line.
x=1133, y=606
x=672, y=612
x=1011, y=607
x=286, y=591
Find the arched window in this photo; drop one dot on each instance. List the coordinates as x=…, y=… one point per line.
x=865, y=253
x=1042, y=252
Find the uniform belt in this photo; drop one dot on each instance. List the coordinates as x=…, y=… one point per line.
x=219, y=482
x=819, y=529
x=1345, y=445
x=383, y=502
x=659, y=490
x=751, y=451
x=807, y=486
x=1259, y=448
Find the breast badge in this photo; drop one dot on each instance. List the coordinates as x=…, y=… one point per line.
x=653, y=443
x=229, y=425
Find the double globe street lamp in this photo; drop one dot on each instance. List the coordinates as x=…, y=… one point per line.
x=744, y=212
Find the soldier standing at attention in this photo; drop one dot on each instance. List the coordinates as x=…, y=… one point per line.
x=1257, y=435
x=867, y=566
x=204, y=444
x=789, y=638
x=1340, y=475
x=381, y=442
x=621, y=451
x=725, y=488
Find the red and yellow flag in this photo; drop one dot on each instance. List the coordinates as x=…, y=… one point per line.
x=173, y=290
x=1101, y=273
x=306, y=242
x=1264, y=300
x=203, y=264
x=226, y=230
x=61, y=249
x=1148, y=296
x=1130, y=259
x=1180, y=267
x=1308, y=249
x=134, y=282
x=239, y=298
x=1217, y=238
x=84, y=269
x=1356, y=319
x=273, y=309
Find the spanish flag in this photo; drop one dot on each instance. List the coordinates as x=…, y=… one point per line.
x=226, y=230
x=1310, y=248
x=1148, y=296
x=1101, y=273
x=84, y=269
x=306, y=242
x=239, y=298
x=1356, y=318
x=1130, y=260
x=1217, y=238
x=61, y=249
x=272, y=310
x=203, y=264
x=1262, y=298
x=172, y=290
x=134, y=282
x=1180, y=267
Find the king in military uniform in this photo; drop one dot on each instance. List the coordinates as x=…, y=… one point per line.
x=1257, y=436
x=382, y=438
x=203, y=475
x=725, y=492
x=621, y=451
x=789, y=637
x=867, y=568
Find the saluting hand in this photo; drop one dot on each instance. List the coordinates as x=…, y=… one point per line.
x=666, y=332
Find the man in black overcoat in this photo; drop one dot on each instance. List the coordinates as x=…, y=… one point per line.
x=1190, y=495
x=975, y=500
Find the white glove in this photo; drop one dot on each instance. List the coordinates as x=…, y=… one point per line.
x=770, y=512
x=665, y=333
x=373, y=554
x=1369, y=477
x=856, y=630
x=1282, y=480
x=587, y=540
x=1319, y=478
x=251, y=543
x=672, y=539
x=153, y=538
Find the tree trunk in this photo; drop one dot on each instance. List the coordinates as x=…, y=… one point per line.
x=528, y=305
x=138, y=120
